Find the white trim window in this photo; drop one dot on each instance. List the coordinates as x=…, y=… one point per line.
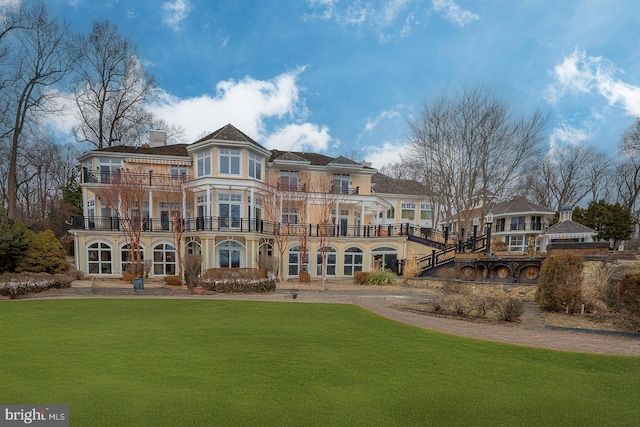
x=425, y=212
x=178, y=173
x=353, y=260
x=99, y=258
x=331, y=257
x=229, y=162
x=125, y=257
x=203, y=164
x=255, y=167
x=164, y=260
x=289, y=215
x=408, y=210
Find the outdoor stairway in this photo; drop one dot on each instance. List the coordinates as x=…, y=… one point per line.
x=447, y=255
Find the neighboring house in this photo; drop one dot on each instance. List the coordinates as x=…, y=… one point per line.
x=223, y=188
x=409, y=201
x=517, y=220
x=566, y=230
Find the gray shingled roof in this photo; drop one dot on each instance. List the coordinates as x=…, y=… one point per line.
x=164, y=150
x=516, y=205
x=228, y=133
x=569, y=227
x=387, y=185
x=314, y=158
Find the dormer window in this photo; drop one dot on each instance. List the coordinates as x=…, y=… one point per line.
x=229, y=162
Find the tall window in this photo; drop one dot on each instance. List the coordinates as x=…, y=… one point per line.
x=203, y=163
x=330, y=255
x=391, y=213
x=125, y=257
x=536, y=223
x=352, y=261
x=295, y=261
x=230, y=162
x=408, y=210
x=255, y=167
x=289, y=215
x=500, y=225
x=229, y=206
x=229, y=254
x=99, y=258
x=340, y=183
x=164, y=260
x=109, y=168
x=288, y=180
x=518, y=223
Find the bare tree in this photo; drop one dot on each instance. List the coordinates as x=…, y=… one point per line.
x=126, y=192
x=272, y=200
x=628, y=170
x=174, y=194
x=325, y=210
x=471, y=148
x=110, y=89
x=40, y=59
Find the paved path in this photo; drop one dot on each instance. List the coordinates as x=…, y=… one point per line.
x=530, y=331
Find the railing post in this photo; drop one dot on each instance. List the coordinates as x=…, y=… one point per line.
x=433, y=258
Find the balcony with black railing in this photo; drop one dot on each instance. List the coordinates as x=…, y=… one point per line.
x=252, y=225
x=151, y=178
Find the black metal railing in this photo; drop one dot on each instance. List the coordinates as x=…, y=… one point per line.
x=97, y=176
x=237, y=224
x=448, y=254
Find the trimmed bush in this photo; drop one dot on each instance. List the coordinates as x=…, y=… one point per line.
x=192, y=264
x=234, y=273
x=232, y=286
x=382, y=278
x=560, y=284
x=12, y=285
x=361, y=278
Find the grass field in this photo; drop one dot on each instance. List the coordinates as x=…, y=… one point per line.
x=201, y=362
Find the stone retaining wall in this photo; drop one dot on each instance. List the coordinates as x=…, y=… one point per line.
x=526, y=292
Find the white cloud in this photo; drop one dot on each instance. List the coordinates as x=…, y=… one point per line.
x=567, y=135
x=580, y=73
x=304, y=137
x=376, y=15
x=175, y=12
x=248, y=104
x=454, y=13
x=387, y=152
x=384, y=115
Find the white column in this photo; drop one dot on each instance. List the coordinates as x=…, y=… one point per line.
x=209, y=201
x=253, y=203
x=85, y=203
x=150, y=204
x=184, y=204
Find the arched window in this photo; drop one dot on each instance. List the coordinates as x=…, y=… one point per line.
x=331, y=257
x=352, y=261
x=99, y=258
x=125, y=257
x=230, y=254
x=194, y=247
x=164, y=260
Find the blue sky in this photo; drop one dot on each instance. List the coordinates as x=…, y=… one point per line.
x=336, y=76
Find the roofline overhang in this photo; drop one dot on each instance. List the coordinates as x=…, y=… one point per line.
x=225, y=143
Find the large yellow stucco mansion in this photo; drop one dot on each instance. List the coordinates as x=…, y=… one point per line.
x=231, y=197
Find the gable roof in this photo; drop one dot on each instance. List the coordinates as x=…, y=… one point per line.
x=385, y=184
x=517, y=205
x=229, y=133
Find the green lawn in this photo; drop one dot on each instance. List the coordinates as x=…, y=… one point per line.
x=201, y=362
